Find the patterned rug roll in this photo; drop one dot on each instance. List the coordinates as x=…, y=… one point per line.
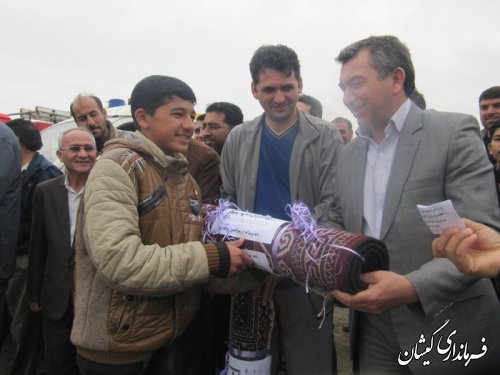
x=250, y=335
x=320, y=258
x=327, y=264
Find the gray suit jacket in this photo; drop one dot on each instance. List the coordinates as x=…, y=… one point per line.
x=50, y=271
x=439, y=156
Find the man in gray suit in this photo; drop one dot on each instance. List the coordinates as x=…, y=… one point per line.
x=423, y=315
x=50, y=271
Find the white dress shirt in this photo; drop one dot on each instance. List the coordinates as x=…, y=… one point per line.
x=378, y=167
x=73, y=203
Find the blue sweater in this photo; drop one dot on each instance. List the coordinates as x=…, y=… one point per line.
x=273, y=179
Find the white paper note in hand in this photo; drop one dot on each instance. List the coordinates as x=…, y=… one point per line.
x=259, y=259
x=440, y=216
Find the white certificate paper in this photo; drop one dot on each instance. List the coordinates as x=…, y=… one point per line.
x=440, y=216
x=251, y=226
x=259, y=259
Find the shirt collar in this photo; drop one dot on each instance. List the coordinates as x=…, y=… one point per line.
x=69, y=188
x=397, y=121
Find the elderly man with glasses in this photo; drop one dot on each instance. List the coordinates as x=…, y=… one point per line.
x=50, y=271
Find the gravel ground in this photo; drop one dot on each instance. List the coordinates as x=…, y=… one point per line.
x=341, y=319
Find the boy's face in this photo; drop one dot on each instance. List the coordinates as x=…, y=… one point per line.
x=171, y=127
x=494, y=146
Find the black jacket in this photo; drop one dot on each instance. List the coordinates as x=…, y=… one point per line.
x=10, y=169
x=39, y=170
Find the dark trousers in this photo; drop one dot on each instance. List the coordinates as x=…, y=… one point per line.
x=26, y=325
x=221, y=311
x=196, y=345
x=60, y=354
x=299, y=346
x=4, y=319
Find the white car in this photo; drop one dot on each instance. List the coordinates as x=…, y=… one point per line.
x=50, y=136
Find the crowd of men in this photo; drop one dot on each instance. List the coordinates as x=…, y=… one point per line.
x=103, y=267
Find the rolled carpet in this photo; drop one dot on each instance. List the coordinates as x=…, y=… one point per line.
x=322, y=259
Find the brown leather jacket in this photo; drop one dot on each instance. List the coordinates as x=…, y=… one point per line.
x=204, y=166
x=139, y=263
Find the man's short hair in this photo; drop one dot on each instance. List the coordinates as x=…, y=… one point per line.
x=79, y=96
x=232, y=113
x=316, y=107
x=156, y=90
x=27, y=133
x=491, y=131
x=491, y=93
x=278, y=57
x=80, y=128
x=387, y=54
x=342, y=119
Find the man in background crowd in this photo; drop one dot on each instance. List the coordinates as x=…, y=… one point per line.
x=310, y=105
x=198, y=123
x=220, y=119
x=50, y=271
x=88, y=111
x=26, y=325
x=10, y=205
x=489, y=111
x=345, y=128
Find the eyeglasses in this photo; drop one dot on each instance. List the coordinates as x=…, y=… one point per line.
x=77, y=148
x=211, y=127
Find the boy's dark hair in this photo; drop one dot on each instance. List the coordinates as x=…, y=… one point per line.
x=154, y=91
x=491, y=93
x=387, y=53
x=278, y=57
x=495, y=126
x=129, y=126
x=232, y=113
x=27, y=133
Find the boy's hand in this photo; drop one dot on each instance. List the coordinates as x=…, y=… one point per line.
x=239, y=260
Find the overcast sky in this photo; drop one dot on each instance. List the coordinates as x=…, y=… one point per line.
x=53, y=50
